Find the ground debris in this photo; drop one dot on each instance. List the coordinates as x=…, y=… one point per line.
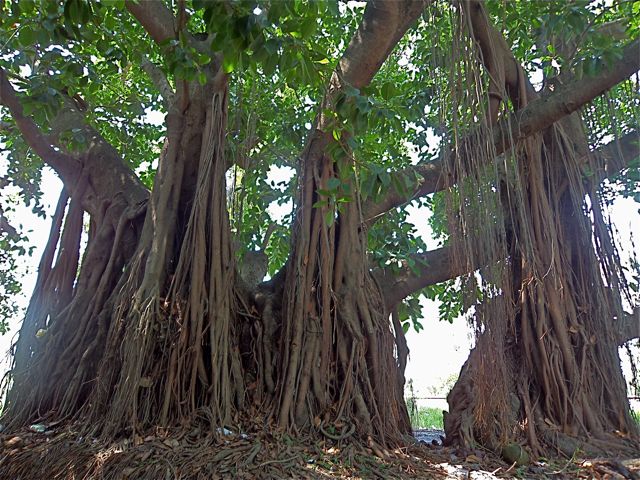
x=196, y=453
x=614, y=469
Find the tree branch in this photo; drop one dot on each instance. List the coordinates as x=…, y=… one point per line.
x=435, y=266
x=99, y=173
x=155, y=18
x=159, y=80
x=5, y=226
x=66, y=166
x=438, y=269
x=383, y=24
x=506, y=76
x=536, y=116
x=617, y=155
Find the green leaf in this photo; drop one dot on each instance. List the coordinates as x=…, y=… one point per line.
x=229, y=64
x=269, y=65
x=329, y=218
x=388, y=90
x=27, y=36
x=333, y=183
x=399, y=185
x=350, y=91
x=385, y=178
x=309, y=27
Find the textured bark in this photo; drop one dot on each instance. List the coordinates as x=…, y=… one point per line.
x=437, y=265
x=336, y=342
x=547, y=357
x=155, y=330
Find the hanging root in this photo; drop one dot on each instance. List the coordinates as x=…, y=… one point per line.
x=545, y=369
x=144, y=335
x=346, y=433
x=337, y=347
x=179, y=349
x=55, y=360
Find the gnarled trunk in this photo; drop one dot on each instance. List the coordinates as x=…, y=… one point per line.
x=545, y=371
x=149, y=334
x=153, y=334
x=336, y=354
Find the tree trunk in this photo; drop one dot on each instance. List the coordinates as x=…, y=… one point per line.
x=153, y=334
x=545, y=371
x=336, y=354
x=148, y=335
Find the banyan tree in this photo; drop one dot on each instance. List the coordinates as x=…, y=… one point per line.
x=169, y=292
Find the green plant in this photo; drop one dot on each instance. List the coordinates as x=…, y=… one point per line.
x=425, y=417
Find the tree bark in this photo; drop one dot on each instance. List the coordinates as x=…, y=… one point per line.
x=336, y=342
x=547, y=357
x=153, y=332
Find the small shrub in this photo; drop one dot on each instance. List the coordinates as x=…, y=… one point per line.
x=426, y=417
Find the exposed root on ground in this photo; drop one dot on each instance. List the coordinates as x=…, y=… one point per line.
x=195, y=452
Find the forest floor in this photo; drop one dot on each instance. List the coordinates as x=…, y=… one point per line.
x=61, y=452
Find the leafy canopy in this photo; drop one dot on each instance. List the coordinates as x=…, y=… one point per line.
x=280, y=55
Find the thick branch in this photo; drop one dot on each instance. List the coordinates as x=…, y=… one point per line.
x=99, y=174
x=5, y=226
x=617, y=155
x=506, y=76
x=383, y=24
x=66, y=166
x=437, y=265
x=536, y=116
x=433, y=267
x=567, y=99
x=155, y=18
